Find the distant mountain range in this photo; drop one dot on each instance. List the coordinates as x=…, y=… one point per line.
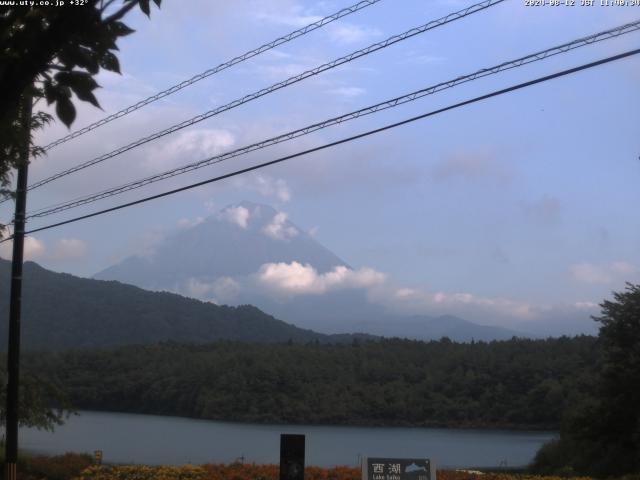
x=220, y=259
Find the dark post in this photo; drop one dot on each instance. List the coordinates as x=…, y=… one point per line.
x=13, y=360
x=291, y=457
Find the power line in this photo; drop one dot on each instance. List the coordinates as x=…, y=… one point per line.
x=394, y=102
x=277, y=86
x=344, y=140
x=223, y=66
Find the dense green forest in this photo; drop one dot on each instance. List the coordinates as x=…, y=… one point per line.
x=513, y=384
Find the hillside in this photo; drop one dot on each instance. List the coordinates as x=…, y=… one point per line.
x=63, y=311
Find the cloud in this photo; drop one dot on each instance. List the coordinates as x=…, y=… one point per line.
x=278, y=228
x=284, y=70
x=297, y=279
x=68, y=249
x=266, y=186
x=295, y=17
x=585, y=305
x=419, y=301
x=189, y=146
x=472, y=166
x=221, y=290
x=238, y=215
x=546, y=210
x=190, y=222
x=34, y=249
x=348, y=92
x=420, y=58
x=347, y=33
x=602, y=274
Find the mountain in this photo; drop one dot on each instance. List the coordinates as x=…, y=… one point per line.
x=62, y=311
x=226, y=257
x=423, y=327
x=235, y=242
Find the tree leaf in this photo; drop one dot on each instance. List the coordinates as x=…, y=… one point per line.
x=110, y=62
x=144, y=6
x=157, y=2
x=87, y=96
x=120, y=29
x=76, y=79
x=66, y=111
x=50, y=93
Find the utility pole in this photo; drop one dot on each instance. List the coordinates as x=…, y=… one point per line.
x=13, y=360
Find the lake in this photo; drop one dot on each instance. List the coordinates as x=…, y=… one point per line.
x=150, y=439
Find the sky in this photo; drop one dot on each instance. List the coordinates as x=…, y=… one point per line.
x=520, y=206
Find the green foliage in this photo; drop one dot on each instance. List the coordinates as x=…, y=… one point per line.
x=43, y=404
x=53, y=53
x=602, y=436
x=513, y=384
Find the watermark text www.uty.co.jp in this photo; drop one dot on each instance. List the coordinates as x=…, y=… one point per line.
x=43, y=3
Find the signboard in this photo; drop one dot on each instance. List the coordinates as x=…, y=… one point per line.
x=291, y=457
x=398, y=469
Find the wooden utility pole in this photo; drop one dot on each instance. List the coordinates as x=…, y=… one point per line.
x=13, y=360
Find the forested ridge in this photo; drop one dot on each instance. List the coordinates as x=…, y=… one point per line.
x=103, y=314
x=509, y=384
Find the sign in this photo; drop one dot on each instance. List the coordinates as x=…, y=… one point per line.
x=291, y=457
x=398, y=469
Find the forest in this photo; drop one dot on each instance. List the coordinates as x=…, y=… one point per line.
x=523, y=384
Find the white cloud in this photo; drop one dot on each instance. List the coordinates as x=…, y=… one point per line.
x=412, y=300
x=68, y=249
x=266, y=186
x=197, y=289
x=344, y=32
x=585, y=305
x=221, y=290
x=188, y=147
x=238, y=215
x=296, y=17
x=602, y=274
x=348, y=92
x=278, y=228
x=297, y=279
x=419, y=58
x=284, y=70
x=34, y=249
x=190, y=222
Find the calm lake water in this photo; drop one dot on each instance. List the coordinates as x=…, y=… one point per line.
x=149, y=439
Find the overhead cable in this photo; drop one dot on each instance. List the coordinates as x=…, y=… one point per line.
x=212, y=71
x=342, y=141
x=394, y=102
x=277, y=86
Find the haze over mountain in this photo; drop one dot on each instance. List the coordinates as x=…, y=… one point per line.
x=252, y=254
